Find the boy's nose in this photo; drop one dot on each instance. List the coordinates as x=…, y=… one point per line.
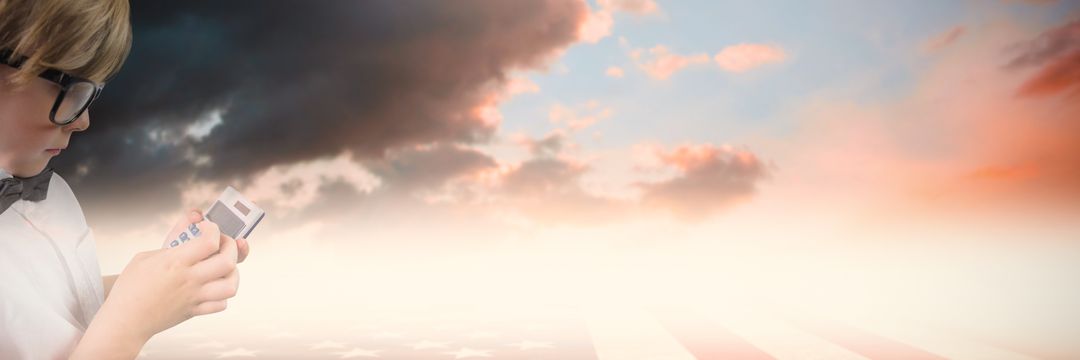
x=80, y=124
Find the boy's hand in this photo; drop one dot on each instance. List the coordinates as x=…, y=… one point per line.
x=161, y=288
x=195, y=216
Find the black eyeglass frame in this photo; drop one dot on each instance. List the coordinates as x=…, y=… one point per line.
x=63, y=79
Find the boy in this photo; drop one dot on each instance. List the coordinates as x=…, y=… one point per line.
x=55, y=56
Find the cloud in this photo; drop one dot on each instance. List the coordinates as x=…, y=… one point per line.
x=944, y=39
x=550, y=145
x=597, y=26
x=1046, y=47
x=543, y=176
x=520, y=85
x=1034, y=2
x=659, y=63
x=710, y=178
x=744, y=57
x=550, y=168
x=295, y=186
x=555, y=183
x=286, y=84
x=547, y=187
x=1061, y=75
x=548, y=190
x=986, y=128
x=599, y=22
x=579, y=117
x=429, y=167
x=1056, y=52
x=639, y=7
x=615, y=72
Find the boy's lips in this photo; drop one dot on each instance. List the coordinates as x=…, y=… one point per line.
x=54, y=151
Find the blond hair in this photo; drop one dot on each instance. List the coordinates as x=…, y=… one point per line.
x=86, y=38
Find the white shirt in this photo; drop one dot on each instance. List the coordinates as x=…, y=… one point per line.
x=50, y=280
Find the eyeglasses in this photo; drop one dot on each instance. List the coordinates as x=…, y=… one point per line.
x=75, y=96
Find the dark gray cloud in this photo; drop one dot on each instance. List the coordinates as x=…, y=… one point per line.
x=547, y=146
x=544, y=177
x=299, y=81
x=548, y=190
x=1056, y=53
x=1047, y=47
x=429, y=167
x=712, y=178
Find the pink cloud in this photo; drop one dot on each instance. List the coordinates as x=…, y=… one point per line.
x=596, y=27
x=1059, y=76
x=550, y=145
x=1057, y=52
x=1034, y=2
x=639, y=7
x=660, y=63
x=599, y=22
x=547, y=188
x=743, y=57
x=710, y=178
x=519, y=85
x=615, y=72
x=972, y=136
x=944, y=39
x=578, y=117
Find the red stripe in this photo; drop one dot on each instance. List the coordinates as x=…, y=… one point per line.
x=707, y=340
x=864, y=343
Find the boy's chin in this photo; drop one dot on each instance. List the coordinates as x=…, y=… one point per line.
x=30, y=169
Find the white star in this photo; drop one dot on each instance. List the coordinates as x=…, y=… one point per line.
x=482, y=334
x=358, y=352
x=526, y=345
x=327, y=344
x=429, y=345
x=209, y=344
x=238, y=352
x=467, y=352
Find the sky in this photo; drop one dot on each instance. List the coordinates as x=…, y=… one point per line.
x=641, y=178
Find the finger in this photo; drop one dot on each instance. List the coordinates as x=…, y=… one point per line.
x=242, y=248
x=209, y=307
x=221, y=289
x=220, y=264
x=207, y=243
x=230, y=248
x=193, y=216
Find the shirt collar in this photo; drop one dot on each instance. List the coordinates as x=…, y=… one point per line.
x=4, y=174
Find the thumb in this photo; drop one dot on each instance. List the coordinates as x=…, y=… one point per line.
x=194, y=216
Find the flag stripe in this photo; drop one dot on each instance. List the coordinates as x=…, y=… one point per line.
x=943, y=341
x=629, y=333
x=776, y=335
x=872, y=346
x=705, y=339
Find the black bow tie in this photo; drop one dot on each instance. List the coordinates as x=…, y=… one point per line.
x=33, y=188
